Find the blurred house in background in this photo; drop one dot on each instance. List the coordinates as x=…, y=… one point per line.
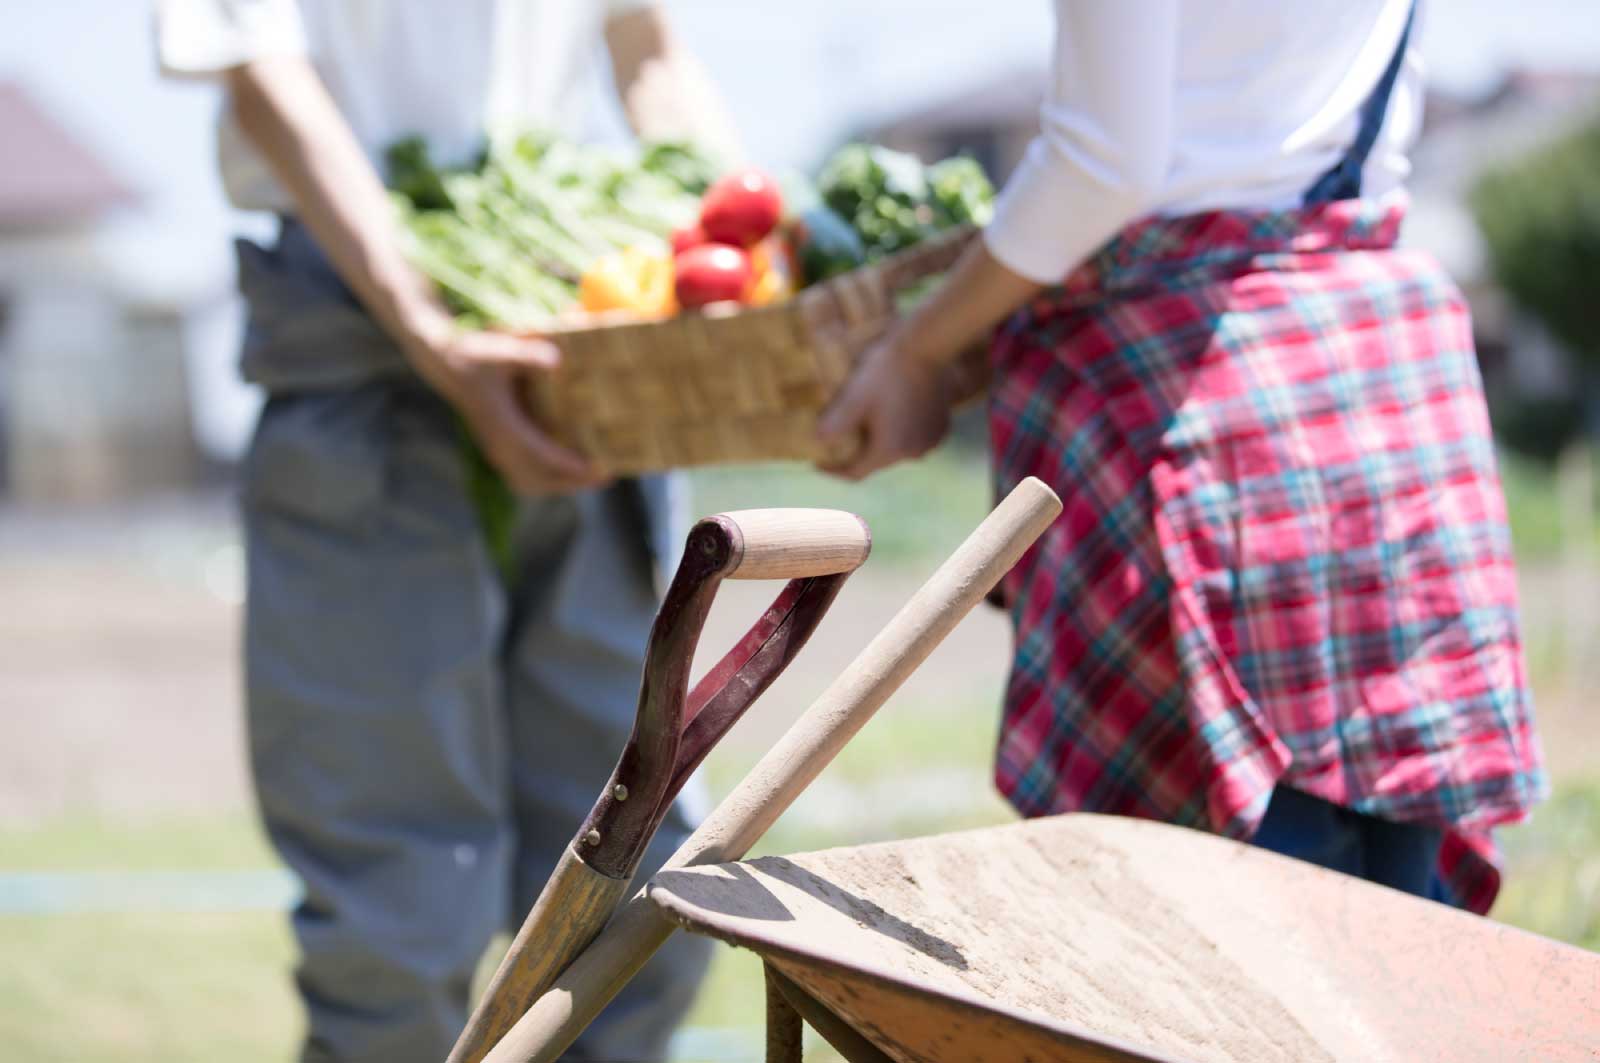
x=93, y=398
x=116, y=362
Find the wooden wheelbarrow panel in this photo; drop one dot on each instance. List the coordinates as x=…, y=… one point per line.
x=894, y=1017
x=1041, y=939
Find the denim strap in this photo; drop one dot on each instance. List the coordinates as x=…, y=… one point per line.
x=1343, y=181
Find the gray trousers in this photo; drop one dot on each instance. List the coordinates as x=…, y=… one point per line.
x=425, y=738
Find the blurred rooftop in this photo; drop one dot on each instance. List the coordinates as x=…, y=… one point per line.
x=50, y=177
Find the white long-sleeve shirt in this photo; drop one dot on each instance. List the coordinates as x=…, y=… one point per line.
x=1173, y=106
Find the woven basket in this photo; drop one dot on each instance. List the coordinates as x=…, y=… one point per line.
x=730, y=384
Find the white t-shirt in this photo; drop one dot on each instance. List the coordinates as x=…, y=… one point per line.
x=452, y=71
x=1172, y=106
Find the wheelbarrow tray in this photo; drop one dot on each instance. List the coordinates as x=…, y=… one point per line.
x=1098, y=938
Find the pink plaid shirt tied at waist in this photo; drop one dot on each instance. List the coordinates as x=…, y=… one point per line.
x=1284, y=555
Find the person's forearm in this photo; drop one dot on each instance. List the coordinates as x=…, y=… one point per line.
x=975, y=296
x=666, y=92
x=286, y=113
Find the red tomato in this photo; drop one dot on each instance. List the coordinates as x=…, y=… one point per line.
x=687, y=237
x=712, y=273
x=741, y=208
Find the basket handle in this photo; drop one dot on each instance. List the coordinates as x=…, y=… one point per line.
x=794, y=543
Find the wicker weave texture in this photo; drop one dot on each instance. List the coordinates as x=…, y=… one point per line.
x=727, y=385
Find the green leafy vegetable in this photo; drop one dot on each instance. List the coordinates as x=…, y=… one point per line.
x=495, y=503
x=893, y=201
x=680, y=163
x=962, y=194
x=507, y=239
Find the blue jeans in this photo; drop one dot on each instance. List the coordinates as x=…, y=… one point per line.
x=1399, y=855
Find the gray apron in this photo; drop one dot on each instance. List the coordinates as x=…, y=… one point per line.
x=425, y=731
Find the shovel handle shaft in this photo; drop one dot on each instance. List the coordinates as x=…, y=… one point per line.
x=575, y=904
x=638, y=928
x=795, y=543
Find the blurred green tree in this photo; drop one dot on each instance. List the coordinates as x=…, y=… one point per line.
x=1540, y=219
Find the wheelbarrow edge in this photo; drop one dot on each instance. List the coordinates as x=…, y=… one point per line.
x=794, y=963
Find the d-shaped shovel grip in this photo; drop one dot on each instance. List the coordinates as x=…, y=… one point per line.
x=673, y=730
x=793, y=543
x=815, y=549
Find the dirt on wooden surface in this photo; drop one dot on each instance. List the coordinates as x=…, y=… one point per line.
x=1174, y=943
x=1039, y=928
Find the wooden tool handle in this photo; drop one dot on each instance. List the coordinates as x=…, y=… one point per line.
x=815, y=549
x=794, y=543
x=638, y=928
x=574, y=905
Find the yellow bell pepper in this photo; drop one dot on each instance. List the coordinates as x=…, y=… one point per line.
x=773, y=279
x=637, y=280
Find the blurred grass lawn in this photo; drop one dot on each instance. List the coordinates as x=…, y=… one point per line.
x=152, y=986
x=148, y=986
